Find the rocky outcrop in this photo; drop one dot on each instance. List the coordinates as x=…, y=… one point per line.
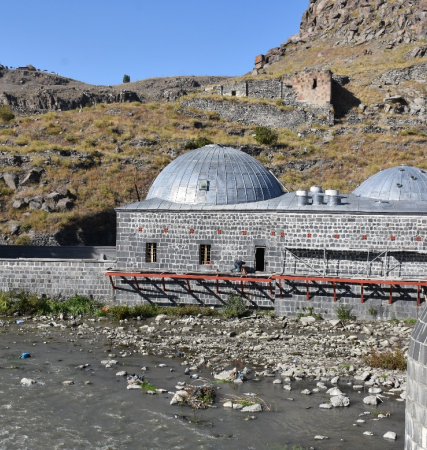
x=357, y=22
x=28, y=92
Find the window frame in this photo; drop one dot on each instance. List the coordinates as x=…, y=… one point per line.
x=151, y=252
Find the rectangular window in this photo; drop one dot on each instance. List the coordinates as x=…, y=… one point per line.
x=150, y=252
x=205, y=254
x=314, y=85
x=233, y=93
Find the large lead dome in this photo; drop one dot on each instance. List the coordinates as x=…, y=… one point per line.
x=398, y=183
x=215, y=175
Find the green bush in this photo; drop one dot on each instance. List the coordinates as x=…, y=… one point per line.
x=22, y=302
x=266, y=136
x=235, y=306
x=344, y=312
x=410, y=321
x=126, y=79
x=391, y=360
x=6, y=114
x=192, y=144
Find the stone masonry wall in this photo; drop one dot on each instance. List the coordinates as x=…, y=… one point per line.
x=57, y=277
x=284, y=236
x=312, y=87
x=416, y=393
x=262, y=114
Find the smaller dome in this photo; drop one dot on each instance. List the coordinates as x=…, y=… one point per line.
x=401, y=183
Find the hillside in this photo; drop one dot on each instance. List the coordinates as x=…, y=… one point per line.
x=64, y=171
x=31, y=91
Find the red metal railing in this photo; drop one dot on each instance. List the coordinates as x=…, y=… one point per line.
x=271, y=279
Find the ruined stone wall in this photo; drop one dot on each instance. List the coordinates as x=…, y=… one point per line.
x=311, y=86
x=307, y=86
x=178, y=251
x=263, y=114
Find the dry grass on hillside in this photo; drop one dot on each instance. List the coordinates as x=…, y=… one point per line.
x=101, y=153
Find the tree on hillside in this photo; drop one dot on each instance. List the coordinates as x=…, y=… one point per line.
x=126, y=79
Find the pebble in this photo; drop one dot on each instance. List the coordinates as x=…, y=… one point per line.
x=306, y=392
x=68, y=383
x=27, y=382
x=368, y=433
x=122, y=373
x=320, y=438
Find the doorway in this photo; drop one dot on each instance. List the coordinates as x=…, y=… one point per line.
x=260, y=259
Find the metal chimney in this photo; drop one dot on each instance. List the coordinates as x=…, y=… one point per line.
x=302, y=197
x=317, y=195
x=333, y=197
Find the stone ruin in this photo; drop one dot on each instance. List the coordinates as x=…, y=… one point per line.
x=312, y=86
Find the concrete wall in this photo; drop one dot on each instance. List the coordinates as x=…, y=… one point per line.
x=306, y=235
x=416, y=393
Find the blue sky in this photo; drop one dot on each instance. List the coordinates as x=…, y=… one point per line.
x=99, y=41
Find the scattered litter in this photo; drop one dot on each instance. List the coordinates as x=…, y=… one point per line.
x=25, y=355
x=20, y=321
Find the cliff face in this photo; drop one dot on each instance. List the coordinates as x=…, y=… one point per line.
x=361, y=21
x=388, y=24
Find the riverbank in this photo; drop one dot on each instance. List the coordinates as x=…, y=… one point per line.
x=283, y=358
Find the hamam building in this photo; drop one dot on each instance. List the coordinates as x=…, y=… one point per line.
x=313, y=248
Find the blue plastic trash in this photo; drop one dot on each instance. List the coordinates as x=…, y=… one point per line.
x=25, y=355
x=20, y=321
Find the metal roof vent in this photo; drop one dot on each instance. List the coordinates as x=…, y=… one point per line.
x=203, y=185
x=317, y=195
x=399, y=185
x=333, y=197
x=302, y=197
x=401, y=170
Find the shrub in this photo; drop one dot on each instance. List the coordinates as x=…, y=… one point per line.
x=235, y=306
x=410, y=321
x=126, y=79
x=344, y=312
x=197, y=143
x=6, y=114
x=24, y=239
x=391, y=360
x=265, y=136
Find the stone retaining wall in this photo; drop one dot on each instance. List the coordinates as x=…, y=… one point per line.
x=416, y=392
x=263, y=114
x=57, y=277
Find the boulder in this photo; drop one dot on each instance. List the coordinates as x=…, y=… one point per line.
x=64, y=204
x=27, y=382
x=252, y=408
x=307, y=319
x=340, y=400
x=13, y=227
x=11, y=180
x=371, y=400
x=390, y=435
x=228, y=375
x=19, y=203
x=32, y=177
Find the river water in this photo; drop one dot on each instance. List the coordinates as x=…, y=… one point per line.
x=104, y=415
